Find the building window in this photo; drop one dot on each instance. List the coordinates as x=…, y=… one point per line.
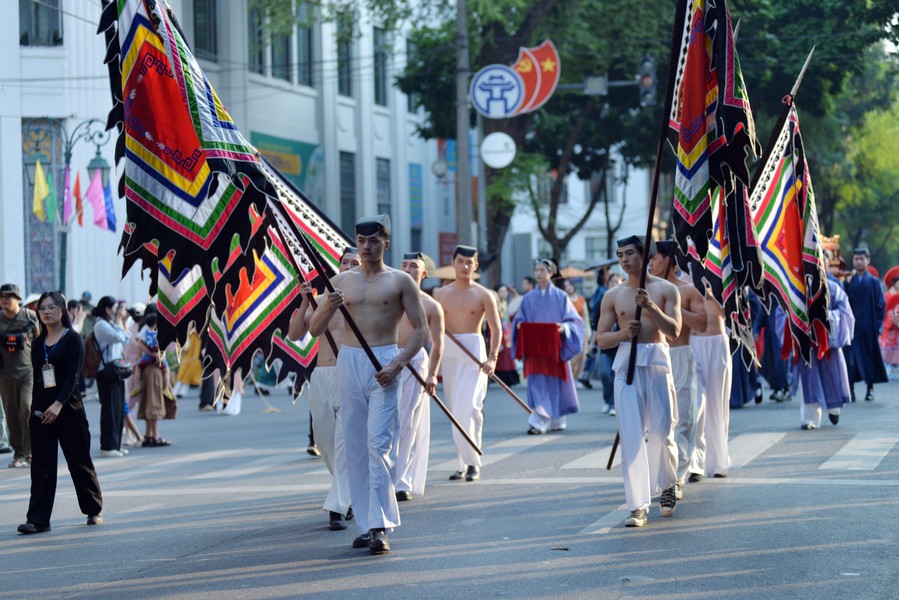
x=412, y=100
x=281, y=57
x=205, y=28
x=383, y=193
x=595, y=249
x=304, y=47
x=381, y=44
x=344, y=54
x=256, y=40
x=40, y=23
x=347, y=191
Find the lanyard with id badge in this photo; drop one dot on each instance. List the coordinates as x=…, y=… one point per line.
x=47, y=371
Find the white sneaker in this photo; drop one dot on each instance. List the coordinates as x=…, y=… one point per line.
x=678, y=491
x=637, y=518
x=124, y=451
x=612, y=412
x=605, y=409
x=110, y=454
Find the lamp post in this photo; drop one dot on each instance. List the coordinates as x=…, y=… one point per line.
x=42, y=138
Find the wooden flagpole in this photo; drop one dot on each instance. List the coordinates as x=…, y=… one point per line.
x=313, y=256
x=493, y=376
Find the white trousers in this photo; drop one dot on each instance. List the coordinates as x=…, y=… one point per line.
x=324, y=404
x=369, y=416
x=713, y=380
x=683, y=371
x=414, y=440
x=645, y=413
x=466, y=387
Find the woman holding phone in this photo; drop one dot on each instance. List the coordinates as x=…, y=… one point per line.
x=58, y=418
x=111, y=336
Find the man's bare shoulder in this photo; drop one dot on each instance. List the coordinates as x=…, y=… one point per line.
x=687, y=290
x=429, y=303
x=654, y=283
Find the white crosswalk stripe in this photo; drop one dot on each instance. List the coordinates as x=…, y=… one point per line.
x=863, y=453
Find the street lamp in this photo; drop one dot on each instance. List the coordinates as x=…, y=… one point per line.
x=42, y=137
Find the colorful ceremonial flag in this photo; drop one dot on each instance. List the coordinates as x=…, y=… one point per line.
x=41, y=191
x=711, y=130
x=783, y=210
x=94, y=195
x=76, y=193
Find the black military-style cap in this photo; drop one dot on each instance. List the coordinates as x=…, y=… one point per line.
x=629, y=241
x=413, y=256
x=349, y=250
x=664, y=247
x=466, y=251
x=548, y=263
x=862, y=251
x=373, y=225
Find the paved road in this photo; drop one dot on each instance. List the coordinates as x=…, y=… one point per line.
x=232, y=510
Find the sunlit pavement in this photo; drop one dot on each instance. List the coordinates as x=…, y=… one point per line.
x=232, y=510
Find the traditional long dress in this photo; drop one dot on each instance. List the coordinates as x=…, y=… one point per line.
x=825, y=382
x=889, y=338
x=551, y=397
x=863, y=358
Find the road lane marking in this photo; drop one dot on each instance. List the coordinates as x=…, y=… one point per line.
x=863, y=453
x=745, y=448
x=500, y=451
x=605, y=523
x=594, y=460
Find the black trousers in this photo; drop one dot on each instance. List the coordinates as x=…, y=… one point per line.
x=111, y=390
x=69, y=431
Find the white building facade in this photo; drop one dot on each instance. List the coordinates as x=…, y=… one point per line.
x=321, y=107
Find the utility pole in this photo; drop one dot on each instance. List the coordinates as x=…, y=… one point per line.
x=463, y=162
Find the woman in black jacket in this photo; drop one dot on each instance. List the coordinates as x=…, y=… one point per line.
x=58, y=419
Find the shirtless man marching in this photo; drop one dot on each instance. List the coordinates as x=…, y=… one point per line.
x=646, y=407
x=415, y=415
x=466, y=304
x=683, y=368
x=376, y=297
x=324, y=400
x=711, y=349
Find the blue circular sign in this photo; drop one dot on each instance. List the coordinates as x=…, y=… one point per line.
x=496, y=91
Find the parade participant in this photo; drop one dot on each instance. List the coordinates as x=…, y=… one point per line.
x=58, y=419
x=415, y=415
x=775, y=369
x=863, y=358
x=889, y=337
x=580, y=307
x=825, y=381
x=645, y=408
x=324, y=399
x=547, y=332
x=466, y=304
x=505, y=363
x=19, y=327
x=376, y=297
x=711, y=350
x=527, y=284
x=683, y=367
x=110, y=333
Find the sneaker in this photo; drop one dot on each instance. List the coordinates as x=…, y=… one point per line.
x=110, y=454
x=18, y=463
x=605, y=409
x=637, y=518
x=678, y=491
x=312, y=450
x=668, y=501
x=124, y=451
x=586, y=383
x=95, y=520
x=808, y=426
x=612, y=412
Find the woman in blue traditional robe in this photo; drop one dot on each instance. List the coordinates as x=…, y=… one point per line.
x=550, y=397
x=825, y=383
x=863, y=358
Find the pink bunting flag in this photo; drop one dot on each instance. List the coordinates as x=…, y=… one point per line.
x=67, y=199
x=94, y=195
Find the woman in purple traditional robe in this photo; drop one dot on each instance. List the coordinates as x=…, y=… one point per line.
x=551, y=397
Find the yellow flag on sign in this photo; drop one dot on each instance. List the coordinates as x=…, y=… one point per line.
x=41, y=191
